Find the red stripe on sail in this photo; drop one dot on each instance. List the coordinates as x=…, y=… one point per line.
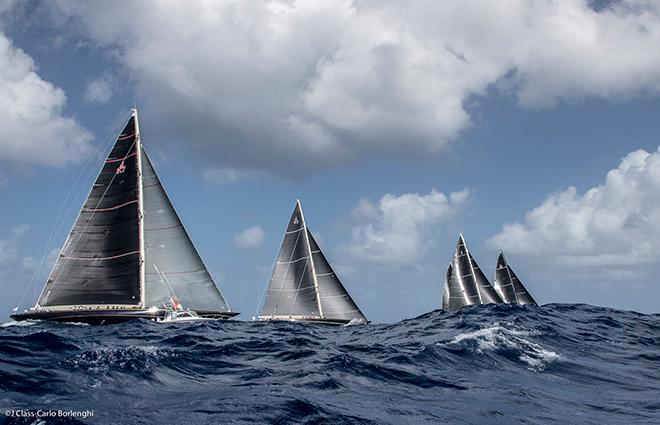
x=124, y=137
x=120, y=159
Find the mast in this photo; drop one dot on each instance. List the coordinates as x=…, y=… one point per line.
x=138, y=146
x=311, y=258
x=508, y=272
x=474, y=276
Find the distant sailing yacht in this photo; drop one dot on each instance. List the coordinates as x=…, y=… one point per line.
x=507, y=284
x=126, y=239
x=303, y=286
x=465, y=283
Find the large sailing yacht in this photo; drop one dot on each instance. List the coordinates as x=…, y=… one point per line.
x=507, y=284
x=128, y=255
x=303, y=286
x=465, y=282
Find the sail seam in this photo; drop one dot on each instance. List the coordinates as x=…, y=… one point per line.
x=293, y=290
x=184, y=272
x=100, y=258
x=162, y=228
x=116, y=207
x=293, y=261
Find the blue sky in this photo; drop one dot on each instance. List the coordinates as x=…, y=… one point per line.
x=371, y=115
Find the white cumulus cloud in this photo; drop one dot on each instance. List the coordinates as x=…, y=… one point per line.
x=34, y=128
x=227, y=175
x=400, y=229
x=99, y=90
x=304, y=84
x=611, y=228
x=252, y=237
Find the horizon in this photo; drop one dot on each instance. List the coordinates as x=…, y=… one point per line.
x=397, y=132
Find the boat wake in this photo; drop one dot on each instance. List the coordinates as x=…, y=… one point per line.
x=481, y=364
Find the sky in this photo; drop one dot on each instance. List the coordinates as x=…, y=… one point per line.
x=532, y=127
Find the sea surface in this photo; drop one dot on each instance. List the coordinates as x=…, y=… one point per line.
x=559, y=363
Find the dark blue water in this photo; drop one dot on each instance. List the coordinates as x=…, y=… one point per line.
x=572, y=364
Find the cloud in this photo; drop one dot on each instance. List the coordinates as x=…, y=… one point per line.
x=252, y=237
x=611, y=228
x=9, y=245
x=4, y=182
x=99, y=90
x=300, y=85
x=34, y=129
x=399, y=229
x=220, y=176
x=21, y=277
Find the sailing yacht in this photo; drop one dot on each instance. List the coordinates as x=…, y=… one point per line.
x=465, y=282
x=125, y=240
x=507, y=284
x=303, y=286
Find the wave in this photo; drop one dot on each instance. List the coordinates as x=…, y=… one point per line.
x=485, y=364
x=506, y=337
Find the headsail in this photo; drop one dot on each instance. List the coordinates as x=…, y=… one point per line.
x=486, y=291
x=303, y=284
x=336, y=303
x=169, y=252
x=100, y=261
x=465, y=283
x=509, y=286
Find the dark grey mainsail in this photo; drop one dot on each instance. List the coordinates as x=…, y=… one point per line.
x=100, y=261
x=465, y=283
x=509, y=286
x=172, y=264
x=463, y=274
x=303, y=285
x=127, y=228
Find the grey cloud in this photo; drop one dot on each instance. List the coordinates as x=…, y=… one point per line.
x=290, y=86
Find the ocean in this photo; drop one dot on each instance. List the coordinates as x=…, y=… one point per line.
x=496, y=364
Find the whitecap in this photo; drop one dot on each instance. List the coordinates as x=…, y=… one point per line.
x=23, y=323
x=504, y=335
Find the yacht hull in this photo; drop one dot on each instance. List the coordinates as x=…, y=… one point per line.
x=106, y=317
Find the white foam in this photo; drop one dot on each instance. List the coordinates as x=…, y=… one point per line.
x=104, y=358
x=23, y=323
x=508, y=336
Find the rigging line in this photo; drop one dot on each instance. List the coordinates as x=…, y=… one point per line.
x=89, y=220
x=59, y=221
x=263, y=292
x=166, y=283
x=293, y=251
